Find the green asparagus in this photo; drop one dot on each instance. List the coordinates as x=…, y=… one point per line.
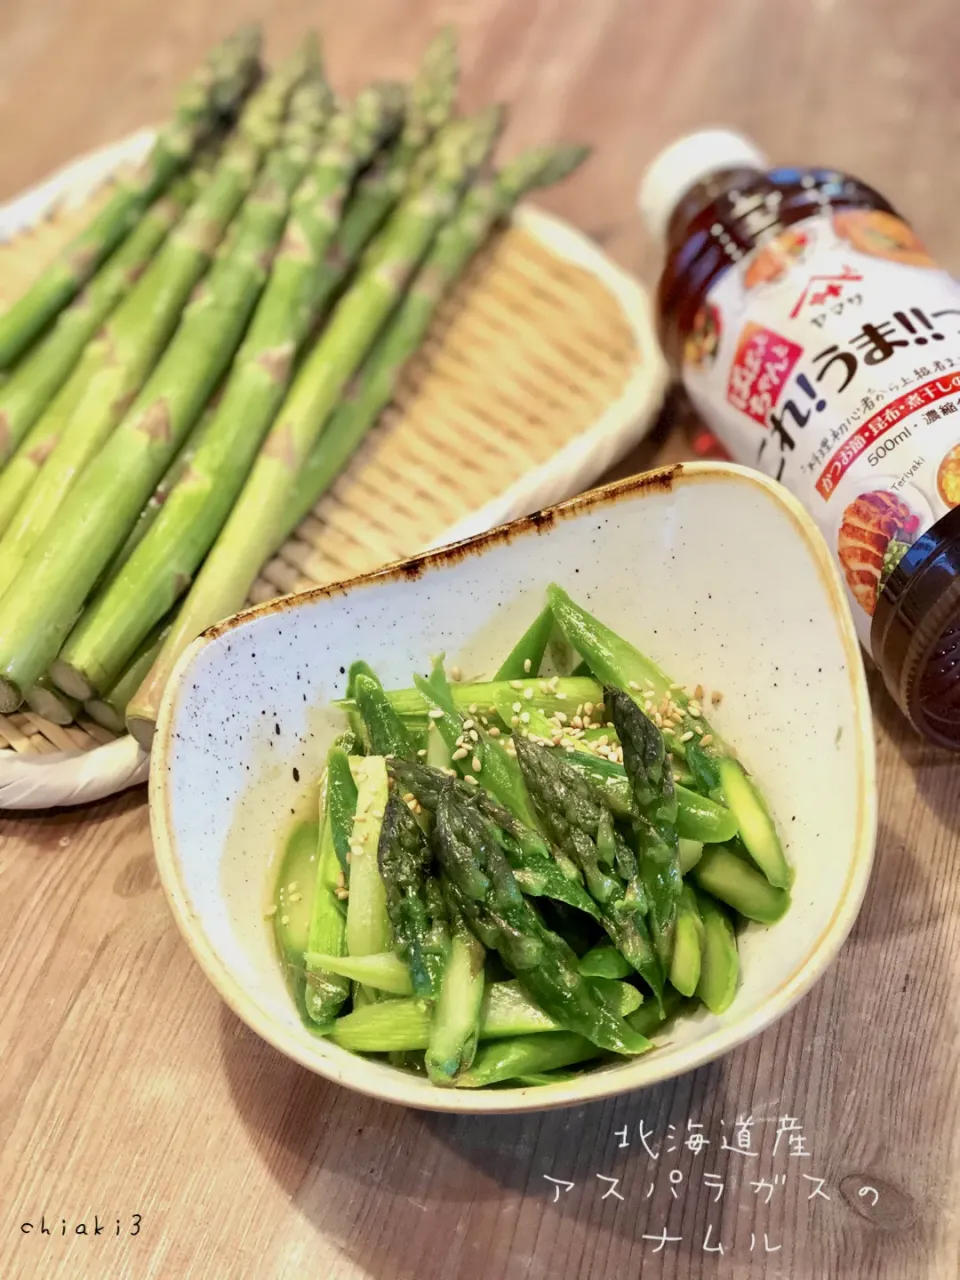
x=162, y=566
x=496, y=911
x=374, y=386
x=41, y=374
x=42, y=603
x=214, y=91
x=414, y=904
x=259, y=514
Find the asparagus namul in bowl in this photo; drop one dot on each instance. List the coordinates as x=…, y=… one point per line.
x=455, y=834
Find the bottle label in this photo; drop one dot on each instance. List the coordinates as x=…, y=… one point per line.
x=829, y=358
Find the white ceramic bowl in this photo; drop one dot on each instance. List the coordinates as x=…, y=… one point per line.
x=714, y=571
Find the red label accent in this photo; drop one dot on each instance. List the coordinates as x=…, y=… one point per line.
x=760, y=370
x=881, y=422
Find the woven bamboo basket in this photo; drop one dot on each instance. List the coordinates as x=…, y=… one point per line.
x=540, y=371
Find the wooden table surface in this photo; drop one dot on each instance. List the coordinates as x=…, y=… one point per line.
x=129, y=1092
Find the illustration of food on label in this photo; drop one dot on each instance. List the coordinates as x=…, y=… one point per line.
x=876, y=532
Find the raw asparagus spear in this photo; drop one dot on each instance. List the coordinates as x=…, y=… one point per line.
x=414, y=904
x=259, y=514
x=375, y=384
x=497, y=913
x=159, y=570
x=583, y=828
x=110, y=710
x=50, y=702
x=455, y=1025
x=618, y=663
x=43, y=371
x=41, y=605
x=429, y=106
x=215, y=90
x=505, y=1010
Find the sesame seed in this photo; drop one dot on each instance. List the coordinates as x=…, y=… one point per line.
x=468, y=777
x=603, y=741
x=514, y=719
x=698, y=691
x=557, y=739
x=658, y=719
x=716, y=697
x=577, y=722
x=571, y=747
x=472, y=708
x=342, y=894
x=408, y=796
x=516, y=684
x=527, y=664
x=491, y=711
x=633, y=684
x=461, y=753
x=284, y=919
x=525, y=717
x=494, y=731
x=477, y=764
x=706, y=740
x=422, y=752
x=296, y=897
x=350, y=853
x=474, y=736
x=435, y=713
x=270, y=911
x=694, y=711
x=560, y=717
x=468, y=724
x=685, y=737
x=588, y=708
x=517, y=706
x=456, y=673
x=528, y=694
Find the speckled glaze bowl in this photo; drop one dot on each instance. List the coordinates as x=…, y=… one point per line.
x=713, y=570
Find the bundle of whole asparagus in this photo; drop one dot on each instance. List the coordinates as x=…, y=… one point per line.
x=198, y=366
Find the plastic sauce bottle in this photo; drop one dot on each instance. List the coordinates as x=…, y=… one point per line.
x=821, y=345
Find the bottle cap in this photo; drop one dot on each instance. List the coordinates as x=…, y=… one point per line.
x=683, y=164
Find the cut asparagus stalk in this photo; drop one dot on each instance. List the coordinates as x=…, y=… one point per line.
x=215, y=90
x=117, y=362
x=50, y=702
x=455, y=1025
x=110, y=710
x=504, y=1011
x=260, y=513
x=161, y=568
x=368, y=922
x=526, y=1055
x=43, y=371
x=325, y=991
x=42, y=604
x=375, y=385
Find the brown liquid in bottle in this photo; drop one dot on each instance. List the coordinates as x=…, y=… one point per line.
x=821, y=344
